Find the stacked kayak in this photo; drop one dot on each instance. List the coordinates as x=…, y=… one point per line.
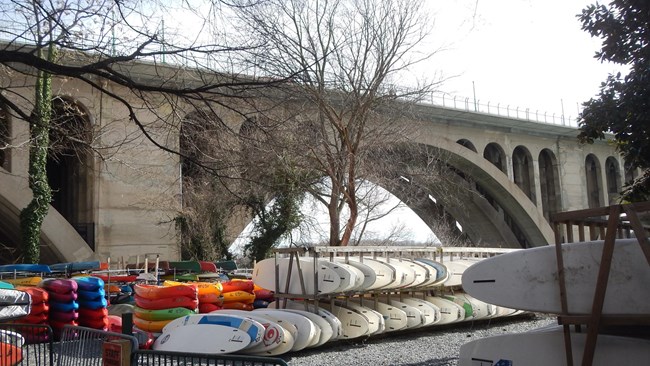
x=158, y=305
x=209, y=294
x=262, y=297
x=62, y=294
x=38, y=315
x=238, y=294
x=92, y=303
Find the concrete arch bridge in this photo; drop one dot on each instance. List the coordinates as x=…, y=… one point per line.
x=505, y=177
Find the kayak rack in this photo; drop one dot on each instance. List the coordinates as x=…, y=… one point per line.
x=622, y=222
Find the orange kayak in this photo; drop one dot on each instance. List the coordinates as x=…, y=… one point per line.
x=238, y=285
x=10, y=354
x=153, y=292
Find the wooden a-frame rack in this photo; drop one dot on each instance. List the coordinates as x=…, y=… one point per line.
x=611, y=229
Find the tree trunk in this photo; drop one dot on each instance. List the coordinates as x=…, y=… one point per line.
x=32, y=216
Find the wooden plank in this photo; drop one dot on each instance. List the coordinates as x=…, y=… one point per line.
x=601, y=286
x=639, y=231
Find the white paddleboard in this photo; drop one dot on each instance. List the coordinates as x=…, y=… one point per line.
x=455, y=269
x=334, y=322
x=441, y=273
x=276, y=339
x=328, y=280
x=430, y=312
x=369, y=275
x=347, y=276
x=414, y=317
x=306, y=329
x=394, y=318
x=253, y=328
x=203, y=338
x=527, y=279
x=422, y=273
x=384, y=274
x=450, y=312
x=354, y=324
x=376, y=323
x=325, y=331
x=546, y=347
x=404, y=275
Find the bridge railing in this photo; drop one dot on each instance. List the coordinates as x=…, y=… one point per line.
x=162, y=52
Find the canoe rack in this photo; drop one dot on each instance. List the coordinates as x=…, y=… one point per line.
x=622, y=221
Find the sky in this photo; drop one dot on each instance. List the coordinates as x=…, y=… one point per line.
x=523, y=53
x=527, y=53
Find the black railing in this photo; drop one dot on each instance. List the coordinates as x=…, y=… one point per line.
x=27, y=344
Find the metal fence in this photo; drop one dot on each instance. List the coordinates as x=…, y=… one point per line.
x=158, y=358
x=26, y=344
x=80, y=346
x=32, y=345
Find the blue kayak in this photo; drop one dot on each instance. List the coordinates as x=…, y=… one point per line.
x=35, y=268
x=89, y=283
x=75, y=266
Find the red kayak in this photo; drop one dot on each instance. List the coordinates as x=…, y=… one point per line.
x=168, y=302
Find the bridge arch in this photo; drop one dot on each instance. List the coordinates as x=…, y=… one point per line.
x=593, y=176
x=613, y=178
x=468, y=144
x=71, y=166
x=501, y=216
x=549, y=177
x=495, y=154
x=523, y=171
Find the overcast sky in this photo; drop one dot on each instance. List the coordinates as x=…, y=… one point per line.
x=527, y=53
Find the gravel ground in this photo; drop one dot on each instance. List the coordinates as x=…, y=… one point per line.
x=430, y=346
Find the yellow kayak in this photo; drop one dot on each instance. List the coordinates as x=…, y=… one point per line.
x=24, y=281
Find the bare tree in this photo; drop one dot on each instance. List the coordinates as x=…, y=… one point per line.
x=123, y=51
x=344, y=57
